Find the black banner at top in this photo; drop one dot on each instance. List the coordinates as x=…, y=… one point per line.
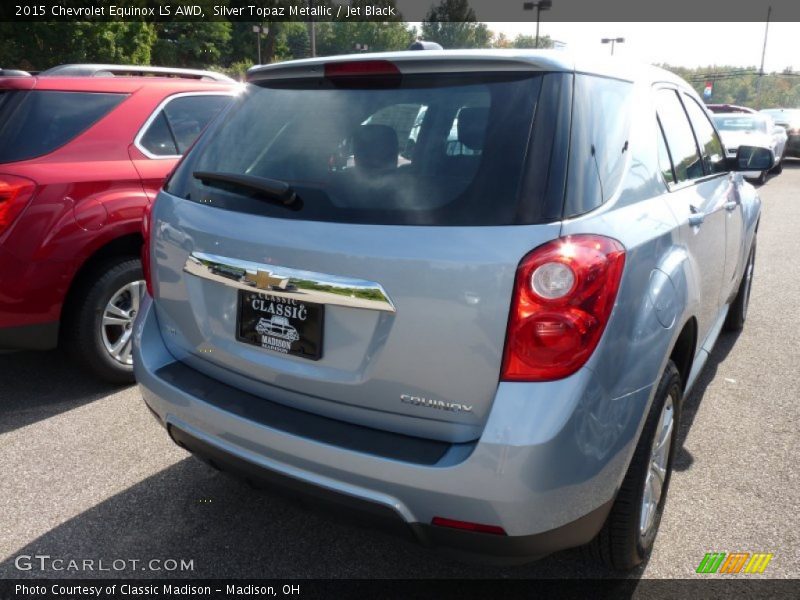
x=397, y=10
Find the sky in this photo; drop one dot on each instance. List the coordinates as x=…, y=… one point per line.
x=679, y=44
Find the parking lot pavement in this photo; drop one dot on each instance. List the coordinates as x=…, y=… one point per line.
x=88, y=474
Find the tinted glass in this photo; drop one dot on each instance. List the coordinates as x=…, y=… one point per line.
x=158, y=138
x=189, y=115
x=443, y=150
x=707, y=139
x=33, y=123
x=599, y=140
x=664, y=161
x=680, y=139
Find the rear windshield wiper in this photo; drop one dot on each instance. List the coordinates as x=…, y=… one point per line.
x=273, y=189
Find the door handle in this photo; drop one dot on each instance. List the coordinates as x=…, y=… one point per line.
x=731, y=205
x=697, y=217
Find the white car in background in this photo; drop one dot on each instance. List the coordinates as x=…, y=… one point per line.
x=745, y=129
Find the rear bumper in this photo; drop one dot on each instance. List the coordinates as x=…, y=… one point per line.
x=379, y=516
x=546, y=468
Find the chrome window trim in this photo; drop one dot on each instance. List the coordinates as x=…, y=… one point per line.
x=137, y=141
x=293, y=283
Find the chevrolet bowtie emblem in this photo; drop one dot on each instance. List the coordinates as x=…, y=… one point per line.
x=264, y=280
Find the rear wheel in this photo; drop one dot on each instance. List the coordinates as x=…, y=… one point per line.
x=737, y=313
x=100, y=327
x=627, y=536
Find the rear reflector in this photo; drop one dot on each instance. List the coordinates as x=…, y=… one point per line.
x=15, y=192
x=467, y=526
x=361, y=68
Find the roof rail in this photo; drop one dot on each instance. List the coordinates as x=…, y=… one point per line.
x=13, y=73
x=90, y=70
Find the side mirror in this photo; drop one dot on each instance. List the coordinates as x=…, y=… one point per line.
x=753, y=158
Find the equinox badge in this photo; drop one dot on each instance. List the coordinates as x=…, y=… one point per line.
x=440, y=404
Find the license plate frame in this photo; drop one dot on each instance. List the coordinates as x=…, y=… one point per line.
x=279, y=324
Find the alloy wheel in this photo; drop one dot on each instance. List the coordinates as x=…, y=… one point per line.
x=116, y=328
x=657, y=469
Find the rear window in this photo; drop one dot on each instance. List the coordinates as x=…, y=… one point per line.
x=34, y=123
x=444, y=150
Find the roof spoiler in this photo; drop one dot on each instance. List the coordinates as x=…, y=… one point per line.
x=91, y=70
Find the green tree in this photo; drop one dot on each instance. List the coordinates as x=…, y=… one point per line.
x=529, y=41
x=452, y=23
x=38, y=46
x=191, y=44
x=521, y=41
x=341, y=37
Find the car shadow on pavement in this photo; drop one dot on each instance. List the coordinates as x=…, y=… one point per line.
x=191, y=512
x=38, y=385
x=691, y=404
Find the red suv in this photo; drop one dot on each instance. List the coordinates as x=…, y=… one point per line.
x=83, y=150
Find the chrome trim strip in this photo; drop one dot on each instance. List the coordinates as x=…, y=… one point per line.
x=137, y=141
x=284, y=282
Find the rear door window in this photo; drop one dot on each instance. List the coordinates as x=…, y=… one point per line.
x=707, y=139
x=443, y=150
x=178, y=123
x=34, y=123
x=682, y=147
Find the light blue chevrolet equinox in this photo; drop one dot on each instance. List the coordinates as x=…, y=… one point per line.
x=461, y=293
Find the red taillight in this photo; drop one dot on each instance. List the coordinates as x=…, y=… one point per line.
x=563, y=295
x=361, y=68
x=468, y=526
x=15, y=192
x=146, y=224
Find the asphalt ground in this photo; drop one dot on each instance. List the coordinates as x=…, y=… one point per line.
x=87, y=473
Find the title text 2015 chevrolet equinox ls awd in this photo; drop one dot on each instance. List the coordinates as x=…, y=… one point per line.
x=482, y=329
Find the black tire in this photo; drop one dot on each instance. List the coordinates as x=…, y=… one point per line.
x=737, y=313
x=778, y=169
x=83, y=323
x=620, y=545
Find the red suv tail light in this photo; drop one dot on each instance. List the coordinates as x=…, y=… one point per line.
x=563, y=295
x=15, y=192
x=146, y=224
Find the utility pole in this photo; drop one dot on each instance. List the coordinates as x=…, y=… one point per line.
x=258, y=30
x=763, y=54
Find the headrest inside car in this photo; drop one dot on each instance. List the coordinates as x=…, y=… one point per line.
x=375, y=147
x=472, y=126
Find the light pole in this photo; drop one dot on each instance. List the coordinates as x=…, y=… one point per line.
x=258, y=30
x=539, y=5
x=312, y=32
x=612, y=41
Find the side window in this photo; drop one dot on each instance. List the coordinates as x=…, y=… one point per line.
x=598, y=141
x=707, y=139
x=178, y=124
x=680, y=140
x=664, y=161
x=189, y=115
x=158, y=139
